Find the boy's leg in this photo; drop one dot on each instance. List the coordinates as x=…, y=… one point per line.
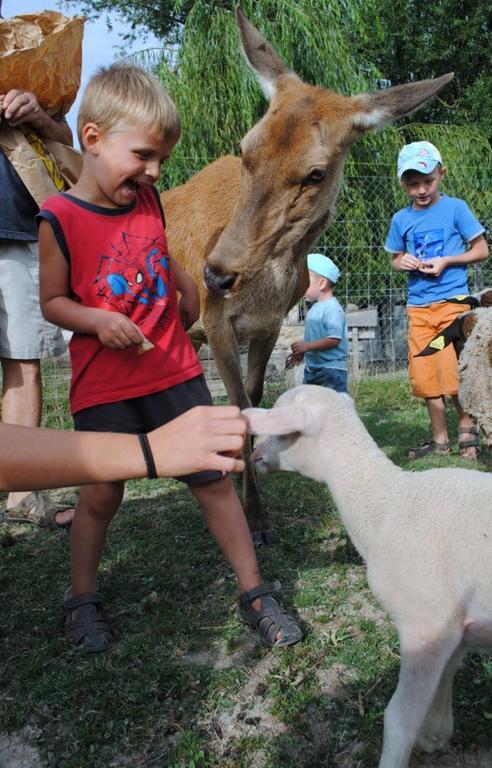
x=95, y=509
x=227, y=523
x=85, y=625
x=436, y=408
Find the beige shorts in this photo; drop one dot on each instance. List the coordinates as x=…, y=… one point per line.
x=437, y=374
x=24, y=333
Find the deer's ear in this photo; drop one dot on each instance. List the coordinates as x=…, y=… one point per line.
x=374, y=110
x=280, y=421
x=262, y=58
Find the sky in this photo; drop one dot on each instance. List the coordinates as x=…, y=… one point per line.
x=99, y=46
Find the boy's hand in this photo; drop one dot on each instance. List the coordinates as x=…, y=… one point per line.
x=433, y=266
x=189, y=309
x=293, y=360
x=409, y=263
x=298, y=348
x=117, y=331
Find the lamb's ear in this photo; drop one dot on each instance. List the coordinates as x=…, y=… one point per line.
x=280, y=421
x=373, y=110
x=262, y=58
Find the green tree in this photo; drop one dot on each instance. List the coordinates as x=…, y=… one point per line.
x=415, y=39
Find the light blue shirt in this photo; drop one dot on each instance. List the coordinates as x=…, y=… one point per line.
x=444, y=229
x=326, y=319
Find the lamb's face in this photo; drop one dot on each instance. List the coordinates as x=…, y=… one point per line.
x=291, y=430
x=271, y=453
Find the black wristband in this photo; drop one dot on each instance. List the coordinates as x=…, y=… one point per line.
x=147, y=452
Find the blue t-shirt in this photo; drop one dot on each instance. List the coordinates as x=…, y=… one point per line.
x=17, y=209
x=326, y=319
x=441, y=230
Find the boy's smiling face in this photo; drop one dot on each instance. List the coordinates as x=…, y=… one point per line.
x=423, y=188
x=122, y=162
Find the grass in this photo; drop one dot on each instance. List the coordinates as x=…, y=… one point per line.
x=188, y=686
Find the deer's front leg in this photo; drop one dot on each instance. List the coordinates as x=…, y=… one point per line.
x=225, y=350
x=259, y=354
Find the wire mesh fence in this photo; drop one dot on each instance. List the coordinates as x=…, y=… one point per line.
x=355, y=242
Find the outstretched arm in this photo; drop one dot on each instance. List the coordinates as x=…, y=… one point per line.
x=203, y=438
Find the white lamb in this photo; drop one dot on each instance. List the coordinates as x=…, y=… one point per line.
x=426, y=538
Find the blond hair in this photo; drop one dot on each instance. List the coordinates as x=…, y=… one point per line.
x=123, y=94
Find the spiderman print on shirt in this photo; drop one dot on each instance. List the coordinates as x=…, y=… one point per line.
x=135, y=280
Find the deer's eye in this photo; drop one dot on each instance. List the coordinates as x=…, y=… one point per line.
x=316, y=176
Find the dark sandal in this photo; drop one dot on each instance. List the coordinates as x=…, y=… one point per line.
x=37, y=508
x=85, y=625
x=431, y=446
x=271, y=619
x=471, y=442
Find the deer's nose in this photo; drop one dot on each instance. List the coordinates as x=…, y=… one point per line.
x=218, y=283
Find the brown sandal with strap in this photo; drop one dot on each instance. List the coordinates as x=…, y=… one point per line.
x=273, y=623
x=431, y=446
x=472, y=442
x=85, y=625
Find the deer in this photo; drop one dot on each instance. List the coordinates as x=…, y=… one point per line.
x=242, y=226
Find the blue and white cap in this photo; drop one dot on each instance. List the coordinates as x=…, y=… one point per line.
x=421, y=156
x=323, y=266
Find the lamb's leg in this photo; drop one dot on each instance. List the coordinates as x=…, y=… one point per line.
x=438, y=725
x=423, y=660
x=226, y=355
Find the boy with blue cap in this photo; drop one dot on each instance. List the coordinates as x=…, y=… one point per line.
x=325, y=344
x=428, y=239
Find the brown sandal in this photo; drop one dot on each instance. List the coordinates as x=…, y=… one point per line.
x=37, y=508
x=471, y=442
x=431, y=446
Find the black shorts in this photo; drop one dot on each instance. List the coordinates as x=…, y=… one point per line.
x=143, y=414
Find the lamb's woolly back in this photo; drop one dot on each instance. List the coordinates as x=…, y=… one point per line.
x=317, y=432
x=475, y=368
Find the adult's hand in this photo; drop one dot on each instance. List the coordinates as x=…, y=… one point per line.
x=203, y=438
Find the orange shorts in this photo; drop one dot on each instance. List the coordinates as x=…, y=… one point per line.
x=437, y=374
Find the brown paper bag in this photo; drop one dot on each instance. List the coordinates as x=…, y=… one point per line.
x=42, y=53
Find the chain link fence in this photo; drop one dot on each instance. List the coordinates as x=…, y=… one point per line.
x=355, y=242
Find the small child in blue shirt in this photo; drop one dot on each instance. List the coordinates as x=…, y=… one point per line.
x=325, y=344
x=428, y=240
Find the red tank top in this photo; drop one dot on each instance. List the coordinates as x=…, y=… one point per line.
x=119, y=262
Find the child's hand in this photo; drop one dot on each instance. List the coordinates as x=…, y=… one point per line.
x=298, y=348
x=189, y=309
x=293, y=360
x=117, y=331
x=409, y=262
x=433, y=266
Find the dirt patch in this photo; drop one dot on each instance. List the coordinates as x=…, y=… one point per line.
x=16, y=750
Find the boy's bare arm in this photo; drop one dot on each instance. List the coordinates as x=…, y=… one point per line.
x=317, y=345
x=189, y=304
x=113, y=329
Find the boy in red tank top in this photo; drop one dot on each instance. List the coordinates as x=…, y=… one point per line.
x=106, y=275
